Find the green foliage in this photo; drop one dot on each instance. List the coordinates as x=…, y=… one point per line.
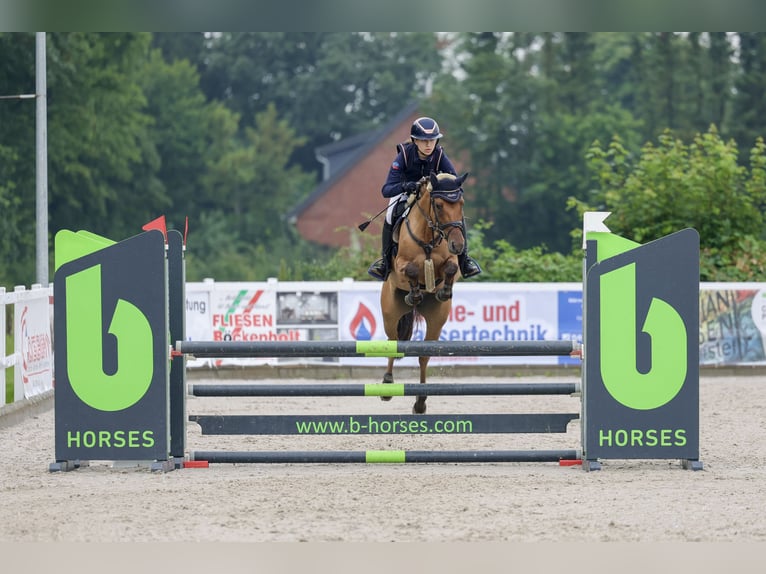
x=17, y=160
x=672, y=186
x=182, y=131
x=743, y=260
x=247, y=188
x=14, y=220
x=222, y=128
x=500, y=262
x=527, y=124
x=103, y=161
x=327, y=85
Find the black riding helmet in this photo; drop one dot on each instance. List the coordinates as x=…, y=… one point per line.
x=425, y=128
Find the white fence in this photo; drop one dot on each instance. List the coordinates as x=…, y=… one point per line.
x=32, y=356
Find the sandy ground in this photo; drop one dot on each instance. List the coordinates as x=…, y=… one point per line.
x=627, y=501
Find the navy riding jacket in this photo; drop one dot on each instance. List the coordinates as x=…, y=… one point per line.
x=407, y=166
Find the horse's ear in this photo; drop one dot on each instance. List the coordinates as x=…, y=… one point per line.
x=461, y=179
x=434, y=180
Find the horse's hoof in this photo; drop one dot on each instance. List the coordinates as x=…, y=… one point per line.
x=419, y=408
x=413, y=300
x=388, y=379
x=444, y=295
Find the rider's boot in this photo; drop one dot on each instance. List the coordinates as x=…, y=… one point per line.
x=468, y=265
x=380, y=269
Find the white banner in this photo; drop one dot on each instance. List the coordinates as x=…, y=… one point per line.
x=33, y=374
x=489, y=314
x=350, y=311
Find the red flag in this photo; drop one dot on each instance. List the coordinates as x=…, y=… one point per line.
x=159, y=224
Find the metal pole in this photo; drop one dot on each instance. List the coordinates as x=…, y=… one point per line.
x=41, y=164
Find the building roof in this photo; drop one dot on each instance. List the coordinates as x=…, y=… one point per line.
x=338, y=157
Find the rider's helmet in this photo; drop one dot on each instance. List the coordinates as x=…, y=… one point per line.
x=425, y=129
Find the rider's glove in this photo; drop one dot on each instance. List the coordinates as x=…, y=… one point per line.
x=409, y=187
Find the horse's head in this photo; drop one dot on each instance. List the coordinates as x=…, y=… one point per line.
x=446, y=208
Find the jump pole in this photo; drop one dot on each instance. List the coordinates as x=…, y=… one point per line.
x=266, y=349
x=381, y=389
x=385, y=456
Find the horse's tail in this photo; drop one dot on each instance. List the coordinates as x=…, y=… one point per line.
x=405, y=326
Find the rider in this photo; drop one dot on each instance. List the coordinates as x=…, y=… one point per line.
x=416, y=159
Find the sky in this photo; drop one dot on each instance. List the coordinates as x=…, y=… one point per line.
x=375, y=15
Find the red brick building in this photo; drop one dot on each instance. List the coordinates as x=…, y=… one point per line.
x=355, y=170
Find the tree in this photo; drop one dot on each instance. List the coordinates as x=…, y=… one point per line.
x=526, y=111
x=575, y=116
x=248, y=187
x=187, y=132
x=17, y=160
x=672, y=186
x=102, y=160
x=327, y=85
x=748, y=120
x=488, y=111
x=176, y=46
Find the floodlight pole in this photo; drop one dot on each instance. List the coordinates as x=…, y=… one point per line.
x=41, y=162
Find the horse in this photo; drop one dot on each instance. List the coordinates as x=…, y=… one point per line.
x=431, y=234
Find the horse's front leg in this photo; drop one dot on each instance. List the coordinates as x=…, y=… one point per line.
x=450, y=271
x=419, y=407
x=415, y=296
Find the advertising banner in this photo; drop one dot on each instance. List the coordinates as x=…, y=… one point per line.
x=34, y=367
x=492, y=313
x=732, y=326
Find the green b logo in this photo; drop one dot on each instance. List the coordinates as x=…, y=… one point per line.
x=628, y=386
x=85, y=346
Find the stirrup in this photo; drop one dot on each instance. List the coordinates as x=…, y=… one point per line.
x=378, y=270
x=470, y=268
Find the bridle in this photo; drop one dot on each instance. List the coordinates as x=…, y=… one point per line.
x=439, y=231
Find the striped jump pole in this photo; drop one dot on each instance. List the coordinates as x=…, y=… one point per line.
x=380, y=389
x=265, y=349
x=385, y=456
